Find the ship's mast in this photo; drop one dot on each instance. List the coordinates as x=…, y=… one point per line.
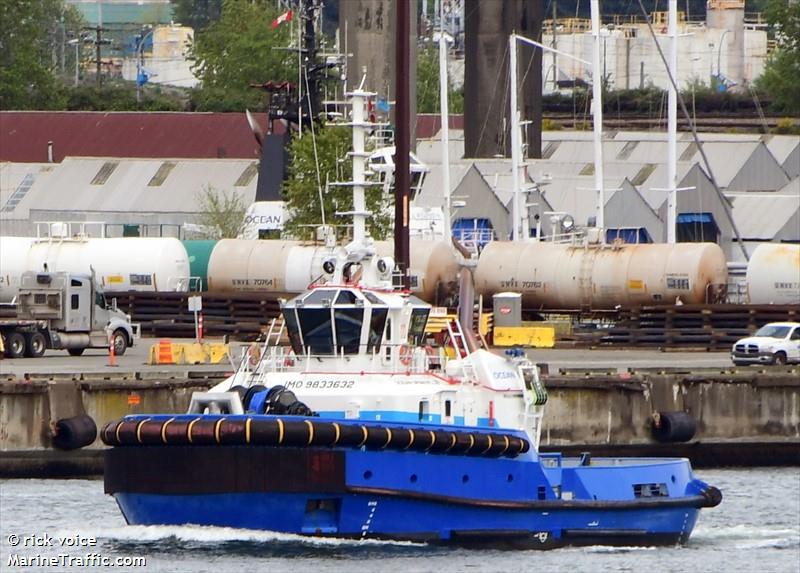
x=402, y=178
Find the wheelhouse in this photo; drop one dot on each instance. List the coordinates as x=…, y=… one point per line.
x=350, y=320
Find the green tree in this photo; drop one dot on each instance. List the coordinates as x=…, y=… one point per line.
x=121, y=96
x=32, y=35
x=428, y=84
x=197, y=14
x=221, y=214
x=240, y=49
x=303, y=194
x=781, y=78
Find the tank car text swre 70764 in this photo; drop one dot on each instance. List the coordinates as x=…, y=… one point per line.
x=363, y=428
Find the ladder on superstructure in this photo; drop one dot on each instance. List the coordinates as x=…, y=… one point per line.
x=459, y=343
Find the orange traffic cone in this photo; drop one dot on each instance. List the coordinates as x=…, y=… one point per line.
x=112, y=358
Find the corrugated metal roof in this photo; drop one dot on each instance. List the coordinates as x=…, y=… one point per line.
x=25, y=135
x=14, y=177
x=781, y=146
x=432, y=193
x=763, y=215
x=70, y=187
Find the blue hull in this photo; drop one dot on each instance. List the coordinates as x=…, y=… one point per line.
x=392, y=481
x=381, y=517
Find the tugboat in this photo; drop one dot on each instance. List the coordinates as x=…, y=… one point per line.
x=361, y=428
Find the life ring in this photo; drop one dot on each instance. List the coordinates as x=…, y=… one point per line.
x=405, y=355
x=289, y=360
x=254, y=354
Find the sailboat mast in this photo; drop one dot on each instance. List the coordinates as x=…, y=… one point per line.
x=672, y=127
x=445, y=131
x=515, y=145
x=402, y=177
x=597, y=121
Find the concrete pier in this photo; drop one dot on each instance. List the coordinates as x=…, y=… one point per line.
x=744, y=417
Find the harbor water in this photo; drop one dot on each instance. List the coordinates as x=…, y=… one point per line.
x=70, y=525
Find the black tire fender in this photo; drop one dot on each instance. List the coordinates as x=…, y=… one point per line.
x=673, y=426
x=73, y=433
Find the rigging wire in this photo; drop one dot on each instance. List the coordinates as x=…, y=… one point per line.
x=314, y=145
x=725, y=202
x=493, y=98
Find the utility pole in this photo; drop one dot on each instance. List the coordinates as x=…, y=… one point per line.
x=98, y=42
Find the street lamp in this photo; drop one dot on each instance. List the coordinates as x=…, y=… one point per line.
x=719, y=52
x=76, y=42
x=141, y=77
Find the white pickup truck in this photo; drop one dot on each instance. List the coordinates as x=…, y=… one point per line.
x=773, y=343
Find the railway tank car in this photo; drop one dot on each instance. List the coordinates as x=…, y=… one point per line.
x=120, y=264
x=560, y=276
x=274, y=266
x=773, y=274
x=199, y=253
x=13, y=257
x=287, y=267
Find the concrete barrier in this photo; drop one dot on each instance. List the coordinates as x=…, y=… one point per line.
x=167, y=352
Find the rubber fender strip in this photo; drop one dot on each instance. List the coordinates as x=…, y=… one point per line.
x=505, y=449
x=694, y=501
x=388, y=438
x=410, y=438
x=247, y=425
x=217, y=428
x=365, y=434
x=116, y=432
x=139, y=429
x=453, y=440
x=189, y=429
x=337, y=435
x=164, y=430
x=310, y=432
x=280, y=431
x=433, y=440
x=489, y=447
x=471, y=443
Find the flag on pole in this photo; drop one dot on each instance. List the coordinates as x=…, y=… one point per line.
x=285, y=17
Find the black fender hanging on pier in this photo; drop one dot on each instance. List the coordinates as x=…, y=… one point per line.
x=673, y=426
x=73, y=433
x=293, y=432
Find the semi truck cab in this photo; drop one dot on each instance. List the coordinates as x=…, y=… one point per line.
x=64, y=311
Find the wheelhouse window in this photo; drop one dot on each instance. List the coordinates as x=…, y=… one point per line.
x=320, y=296
x=315, y=324
x=348, y=323
x=293, y=330
x=416, y=328
x=377, y=325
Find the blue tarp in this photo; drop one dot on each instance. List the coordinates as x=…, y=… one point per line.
x=634, y=235
x=695, y=218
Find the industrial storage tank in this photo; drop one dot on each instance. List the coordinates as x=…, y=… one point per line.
x=773, y=274
x=289, y=266
x=199, y=253
x=120, y=264
x=560, y=276
x=13, y=261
